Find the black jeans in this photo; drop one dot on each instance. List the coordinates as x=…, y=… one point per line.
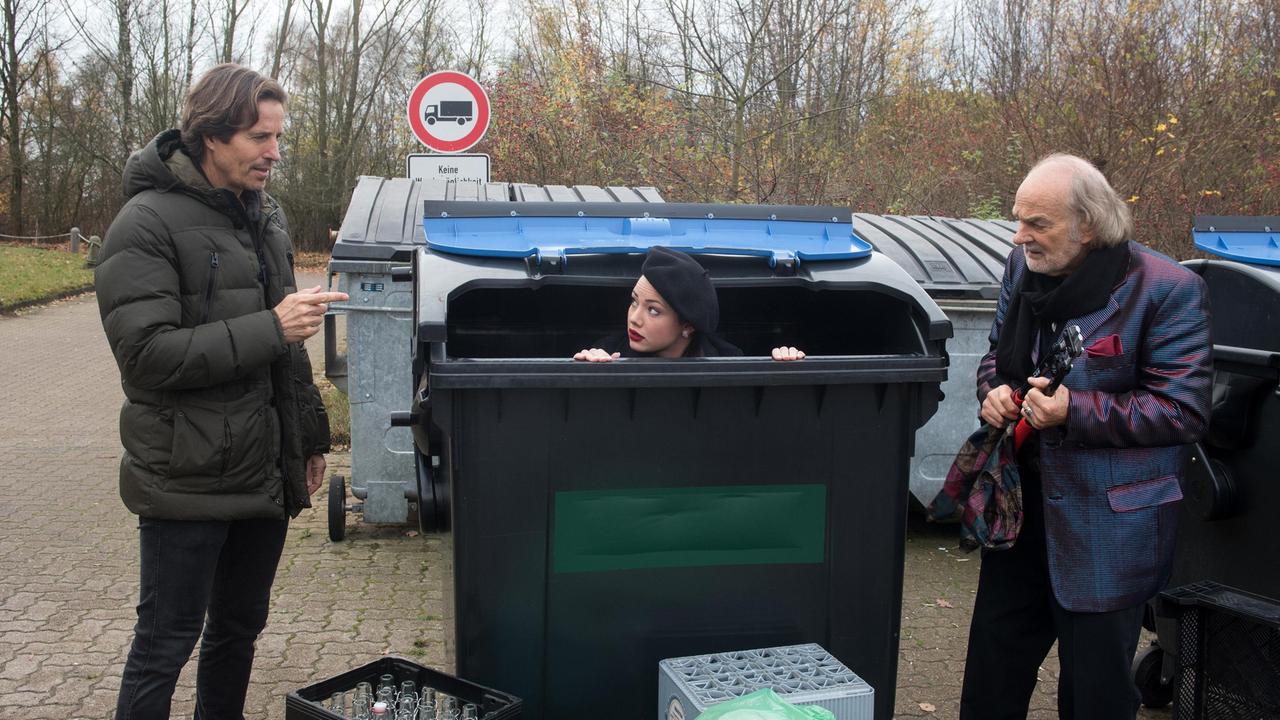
x=1016, y=619
x=190, y=570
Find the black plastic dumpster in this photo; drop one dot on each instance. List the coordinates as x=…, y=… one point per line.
x=607, y=516
x=1226, y=527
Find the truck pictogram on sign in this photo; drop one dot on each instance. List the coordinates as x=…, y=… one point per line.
x=459, y=111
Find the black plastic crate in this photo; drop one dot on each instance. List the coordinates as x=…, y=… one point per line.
x=305, y=704
x=1228, y=653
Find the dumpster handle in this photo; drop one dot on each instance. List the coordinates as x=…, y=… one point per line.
x=335, y=365
x=1246, y=356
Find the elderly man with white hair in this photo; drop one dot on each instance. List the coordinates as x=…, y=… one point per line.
x=1100, y=477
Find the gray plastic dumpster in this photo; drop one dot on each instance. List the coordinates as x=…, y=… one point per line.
x=960, y=264
x=608, y=516
x=380, y=230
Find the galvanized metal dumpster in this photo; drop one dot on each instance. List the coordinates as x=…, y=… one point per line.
x=607, y=516
x=367, y=340
x=960, y=264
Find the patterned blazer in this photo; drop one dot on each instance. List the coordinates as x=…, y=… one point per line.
x=1139, y=395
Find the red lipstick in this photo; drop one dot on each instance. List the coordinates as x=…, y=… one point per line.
x=635, y=336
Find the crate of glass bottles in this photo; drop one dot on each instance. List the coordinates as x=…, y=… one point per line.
x=393, y=688
x=800, y=674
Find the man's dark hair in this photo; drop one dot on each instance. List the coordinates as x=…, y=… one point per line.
x=223, y=102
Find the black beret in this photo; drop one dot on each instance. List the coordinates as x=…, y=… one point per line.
x=685, y=285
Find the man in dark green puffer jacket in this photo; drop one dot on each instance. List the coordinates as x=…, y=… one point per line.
x=223, y=430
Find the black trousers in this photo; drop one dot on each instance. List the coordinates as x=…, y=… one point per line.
x=206, y=581
x=1016, y=619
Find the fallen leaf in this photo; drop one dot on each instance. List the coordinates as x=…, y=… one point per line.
x=944, y=604
x=927, y=707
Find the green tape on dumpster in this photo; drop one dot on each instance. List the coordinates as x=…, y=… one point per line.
x=637, y=528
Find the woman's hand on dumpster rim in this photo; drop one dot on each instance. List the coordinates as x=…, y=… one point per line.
x=785, y=353
x=315, y=473
x=596, y=355
x=999, y=408
x=302, y=313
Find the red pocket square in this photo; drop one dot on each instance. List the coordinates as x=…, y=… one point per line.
x=1108, y=346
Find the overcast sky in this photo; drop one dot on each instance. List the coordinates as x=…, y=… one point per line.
x=86, y=25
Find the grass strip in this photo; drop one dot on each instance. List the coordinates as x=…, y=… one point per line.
x=33, y=275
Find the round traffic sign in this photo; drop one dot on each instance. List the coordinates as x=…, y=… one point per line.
x=448, y=111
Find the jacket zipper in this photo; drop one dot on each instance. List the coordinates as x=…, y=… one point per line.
x=226, y=445
x=214, y=263
x=259, y=235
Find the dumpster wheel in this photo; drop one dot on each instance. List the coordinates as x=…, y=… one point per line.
x=337, y=508
x=1146, y=676
x=433, y=497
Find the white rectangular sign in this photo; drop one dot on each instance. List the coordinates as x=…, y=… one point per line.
x=425, y=166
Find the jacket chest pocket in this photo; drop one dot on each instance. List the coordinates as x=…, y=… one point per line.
x=1110, y=373
x=219, y=446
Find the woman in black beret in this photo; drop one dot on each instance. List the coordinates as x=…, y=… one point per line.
x=674, y=313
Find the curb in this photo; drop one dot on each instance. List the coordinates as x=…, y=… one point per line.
x=45, y=299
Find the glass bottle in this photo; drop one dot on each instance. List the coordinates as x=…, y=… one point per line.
x=427, y=705
x=338, y=704
x=387, y=681
x=360, y=704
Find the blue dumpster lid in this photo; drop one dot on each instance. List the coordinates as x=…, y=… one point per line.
x=1254, y=240
x=780, y=233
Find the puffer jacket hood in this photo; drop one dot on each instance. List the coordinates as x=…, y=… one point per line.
x=165, y=167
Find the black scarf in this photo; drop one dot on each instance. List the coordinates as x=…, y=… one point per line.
x=1041, y=299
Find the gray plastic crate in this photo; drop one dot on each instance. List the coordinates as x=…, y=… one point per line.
x=800, y=674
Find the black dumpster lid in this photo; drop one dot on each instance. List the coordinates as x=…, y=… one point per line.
x=950, y=258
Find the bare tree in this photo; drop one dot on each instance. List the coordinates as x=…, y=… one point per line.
x=125, y=74
x=232, y=10
x=476, y=58
x=25, y=45
x=281, y=38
